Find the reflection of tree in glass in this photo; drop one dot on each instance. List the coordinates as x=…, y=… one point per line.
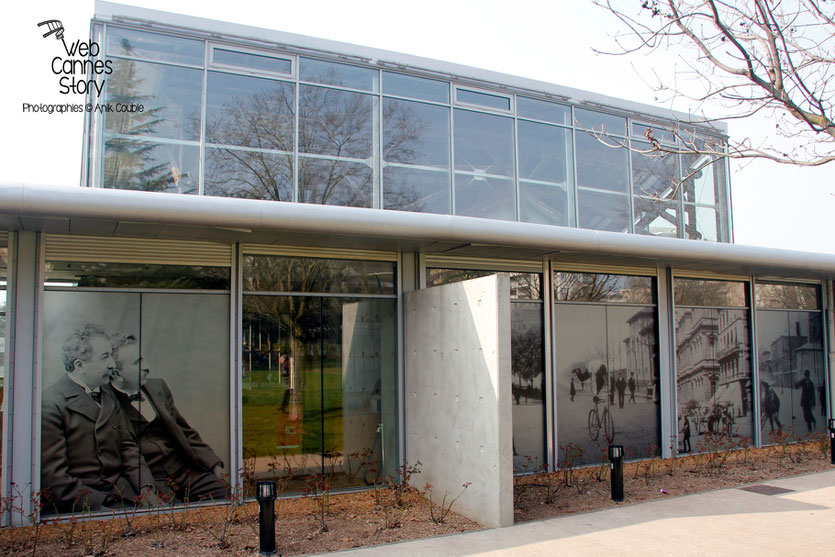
x=303, y=274
x=694, y=292
x=139, y=275
x=332, y=123
x=262, y=121
x=595, y=287
x=128, y=164
x=523, y=286
x=792, y=296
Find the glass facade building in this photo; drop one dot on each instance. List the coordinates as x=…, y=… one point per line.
x=248, y=308
x=223, y=117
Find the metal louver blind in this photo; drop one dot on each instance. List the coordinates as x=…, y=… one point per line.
x=451, y=262
x=137, y=250
x=330, y=253
x=4, y=238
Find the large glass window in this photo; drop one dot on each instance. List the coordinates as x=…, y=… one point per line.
x=153, y=46
x=603, y=183
x=713, y=362
x=265, y=124
x=484, y=185
x=606, y=365
x=545, y=173
x=792, y=374
x=705, y=202
x=121, y=413
x=319, y=372
x=655, y=186
x=526, y=361
x=416, y=154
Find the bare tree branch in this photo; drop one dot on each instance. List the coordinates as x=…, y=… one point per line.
x=757, y=57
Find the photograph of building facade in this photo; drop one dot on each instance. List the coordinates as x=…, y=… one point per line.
x=241, y=289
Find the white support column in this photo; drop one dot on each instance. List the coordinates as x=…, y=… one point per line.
x=666, y=387
x=21, y=449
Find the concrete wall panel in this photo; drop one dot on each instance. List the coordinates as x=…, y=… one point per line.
x=458, y=395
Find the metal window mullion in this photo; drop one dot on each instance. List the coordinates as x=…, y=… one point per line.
x=516, y=177
x=129, y=290
x=667, y=361
x=452, y=169
x=630, y=187
x=155, y=61
x=236, y=431
x=574, y=215
x=201, y=172
x=154, y=139
x=400, y=395
x=682, y=215
x=296, y=136
x=377, y=149
x=320, y=294
x=755, y=371
x=550, y=366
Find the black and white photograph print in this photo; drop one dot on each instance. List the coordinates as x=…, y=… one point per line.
x=713, y=376
x=791, y=366
x=135, y=407
x=606, y=376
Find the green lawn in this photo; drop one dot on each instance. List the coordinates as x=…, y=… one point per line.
x=262, y=397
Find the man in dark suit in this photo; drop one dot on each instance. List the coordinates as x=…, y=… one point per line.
x=179, y=459
x=89, y=455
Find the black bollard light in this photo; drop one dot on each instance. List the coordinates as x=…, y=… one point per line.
x=266, y=517
x=832, y=439
x=616, y=465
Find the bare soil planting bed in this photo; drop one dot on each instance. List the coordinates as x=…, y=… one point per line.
x=370, y=518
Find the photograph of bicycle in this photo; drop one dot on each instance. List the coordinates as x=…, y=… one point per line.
x=606, y=365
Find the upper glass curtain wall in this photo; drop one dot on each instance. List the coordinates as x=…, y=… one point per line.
x=236, y=121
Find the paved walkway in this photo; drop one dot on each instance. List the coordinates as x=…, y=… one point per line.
x=723, y=522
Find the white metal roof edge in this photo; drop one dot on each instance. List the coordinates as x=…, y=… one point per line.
x=26, y=200
x=113, y=11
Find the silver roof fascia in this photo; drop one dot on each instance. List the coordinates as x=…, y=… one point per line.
x=110, y=11
x=25, y=206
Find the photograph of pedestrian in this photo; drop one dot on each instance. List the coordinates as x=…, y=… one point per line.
x=610, y=342
x=685, y=436
x=770, y=406
x=807, y=400
x=90, y=458
x=621, y=387
x=183, y=466
x=791, y=366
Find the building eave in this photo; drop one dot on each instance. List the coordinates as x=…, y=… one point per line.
x=120, y=213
